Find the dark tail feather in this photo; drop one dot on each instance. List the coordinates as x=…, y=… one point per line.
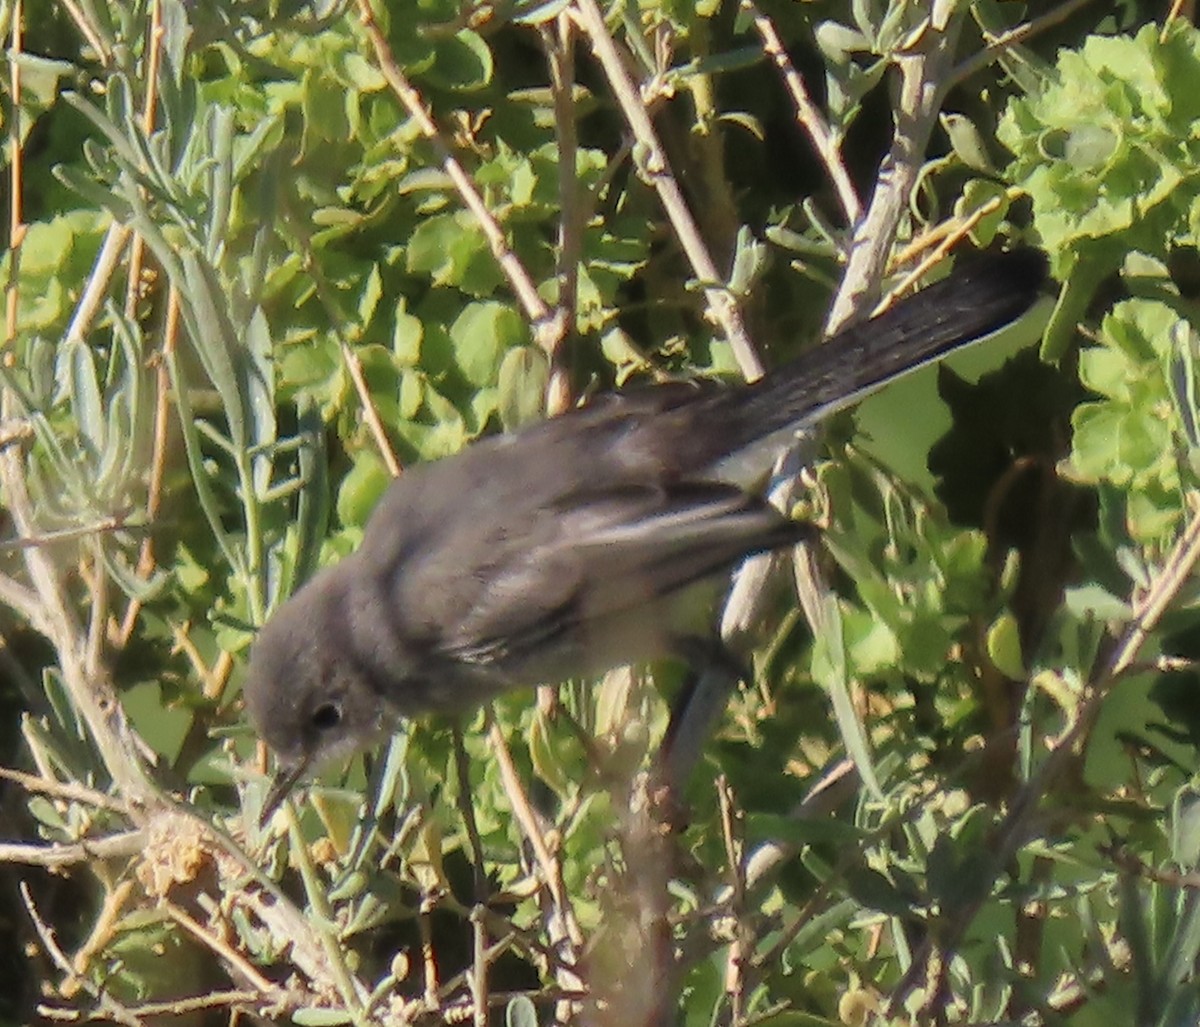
x=979, y=297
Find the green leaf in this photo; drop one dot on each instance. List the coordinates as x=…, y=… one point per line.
x=521, y=382
x=361, y=489
x=520, y=1012
x=320, y=1016
x=538, y=12
x=406, y=337
x=452, y=249
x=1004, y=647
x=464, y=62
x=481, y=334
x=829, y=669
x=84, y=389
x=1185, y=829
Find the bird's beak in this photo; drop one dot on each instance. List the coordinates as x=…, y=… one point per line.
x=285, y=779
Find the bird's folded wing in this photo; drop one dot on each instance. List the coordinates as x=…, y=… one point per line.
x=613, y=554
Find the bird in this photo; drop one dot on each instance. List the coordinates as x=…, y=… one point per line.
x=569, y=546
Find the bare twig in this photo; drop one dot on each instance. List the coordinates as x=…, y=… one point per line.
x=96, y=290
x=349, y=357
x=158, y=458
x=559, y=44
x=1177, y=7
x=824, y=141
x=16, y=221
x=370, y=413
x=69, y=790
x=563, y=926
x=999, y=45
x=25, y=602
x=118, y=846
x=653, y=164
x=111, y=1009
x=528, y=819
x=236, y=962
x=923, y=71
x=956, y=231
x=196, y=1003
x=479, y=966
x=735, y=964
x=429, y=969
x=87, y=30
x=115, y=900
x=535, y=309
x=80, y=531
x=137, y=250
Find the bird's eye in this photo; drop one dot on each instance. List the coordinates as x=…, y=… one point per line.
x=326, y=716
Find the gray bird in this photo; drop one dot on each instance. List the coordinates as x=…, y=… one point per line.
x=568, y=547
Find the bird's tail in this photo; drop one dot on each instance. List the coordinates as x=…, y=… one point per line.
x=981, y=296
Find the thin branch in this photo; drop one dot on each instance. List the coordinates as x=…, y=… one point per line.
x=117, y=846
x=24, y=601
x=236, y=961
x=196, y=1003
x=533, y=305
x=370, y=413
x=69, y=790
x=158, y=459
x=88, y=30
x=479, y=964
x=16, y=222
x=153, y=58
x=429, y=969
x=654, y=167
x=108, y=1005
x=559, y=44
x=563, y=926
x=736, y=961
x=923, y=72
x=115, y=900
x=349, y=357
x=824, y=141
x=1001, y=44
x=1177, y=7
x=96, y=291
x=958, y=230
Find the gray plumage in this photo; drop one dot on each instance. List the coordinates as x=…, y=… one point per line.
x=561, y=550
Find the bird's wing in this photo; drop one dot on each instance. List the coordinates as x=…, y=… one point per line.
x=606, y=555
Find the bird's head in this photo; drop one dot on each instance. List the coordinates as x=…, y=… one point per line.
x=306, y=697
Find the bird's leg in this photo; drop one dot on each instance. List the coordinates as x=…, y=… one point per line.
x=713, y=673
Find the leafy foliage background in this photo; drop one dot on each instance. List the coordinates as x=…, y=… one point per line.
x=261, y=255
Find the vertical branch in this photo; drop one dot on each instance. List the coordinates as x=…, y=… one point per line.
x=150, y=106
x=562, y=924
x=16, y=225
x=146, y=560
x=706, y=140
x=559, y=44
x=923, y=71
x=158, y=459
x=91, y=692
